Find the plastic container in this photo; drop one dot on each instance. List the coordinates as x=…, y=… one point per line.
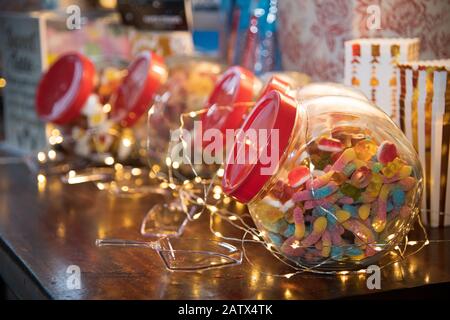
x=97, y=112
x=342, y=185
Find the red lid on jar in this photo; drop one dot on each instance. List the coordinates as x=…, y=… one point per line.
x=146, y=73
x=233, y=89
x=64, y=88
x=250, y=164
x=275, y=83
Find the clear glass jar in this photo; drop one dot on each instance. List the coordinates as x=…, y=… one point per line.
x=189, y=85
x=343, y=184
x=96, y=114
x=319, y=89
x=226, y=108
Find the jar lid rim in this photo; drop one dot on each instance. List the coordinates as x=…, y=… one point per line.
x=276, y=114
x=64, y=88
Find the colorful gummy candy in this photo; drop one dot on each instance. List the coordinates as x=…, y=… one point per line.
x=338, y=201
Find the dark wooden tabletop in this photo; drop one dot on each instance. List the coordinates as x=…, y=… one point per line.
x=46, y=228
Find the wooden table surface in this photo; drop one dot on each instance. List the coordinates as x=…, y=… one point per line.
x=45, y=229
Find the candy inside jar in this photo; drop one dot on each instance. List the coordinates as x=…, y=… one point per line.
x=335, y=186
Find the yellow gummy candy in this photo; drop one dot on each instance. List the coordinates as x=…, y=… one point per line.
x=342, y=215
x=320, y=225
x=364, y=211
x=299, y=231
x=268, y=213
x=365, y=150
x=392, y=168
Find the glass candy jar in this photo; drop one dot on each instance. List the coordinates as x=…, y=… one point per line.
x=319, y=89
x=96, y=113
x=334, y=184
x=189, y=85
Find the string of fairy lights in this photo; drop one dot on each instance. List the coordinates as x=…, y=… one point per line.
x=219, y=209
x=197, y=193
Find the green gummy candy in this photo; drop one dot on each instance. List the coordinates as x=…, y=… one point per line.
x=350, y=191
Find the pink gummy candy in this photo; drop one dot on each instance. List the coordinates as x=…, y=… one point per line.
x=387, y=152
x=330, y=145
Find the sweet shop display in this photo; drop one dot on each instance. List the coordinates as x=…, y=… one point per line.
x=343, y=184
x=424, y=111
x=371, y=66
x=96, y=114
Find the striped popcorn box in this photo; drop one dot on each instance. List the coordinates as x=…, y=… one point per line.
x=371, y=66
x=424, y=117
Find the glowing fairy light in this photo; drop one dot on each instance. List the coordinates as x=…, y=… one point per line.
x=361, y=271
x=41, y=156
x=218, y=234
x=343, y=273
x=172, y=186
x=391, y=236
x=197, y=215
x=100, y=186
x=216, y=196
x=164, y=185
x=51, y=154
x=198, y=179
x=192, y=114
x=213, y=209
x=226, y=200
x=233, y=218
x=55, y=132
x=109, y=160
x=289, y=275
x=126, y=142
x=175, y=164
x=118, y=166
x=106, y=108
x=412, y=243
x=136, y=172
x=125, y=188
x=427, y=242
x=220, y=172
x=41, y=179
x=201, y=201
x=168, y=161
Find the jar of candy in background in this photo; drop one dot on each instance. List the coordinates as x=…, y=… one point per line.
x=227, y=106
x=189, y=85
x=95, y=112
x=343, y=184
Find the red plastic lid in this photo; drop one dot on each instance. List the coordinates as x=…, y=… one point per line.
x=146, y=73
x=248, y=167
x=275, y=83
x=64, y=88
x=233, y=89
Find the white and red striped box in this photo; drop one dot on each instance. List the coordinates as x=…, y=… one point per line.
x=424, y=117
